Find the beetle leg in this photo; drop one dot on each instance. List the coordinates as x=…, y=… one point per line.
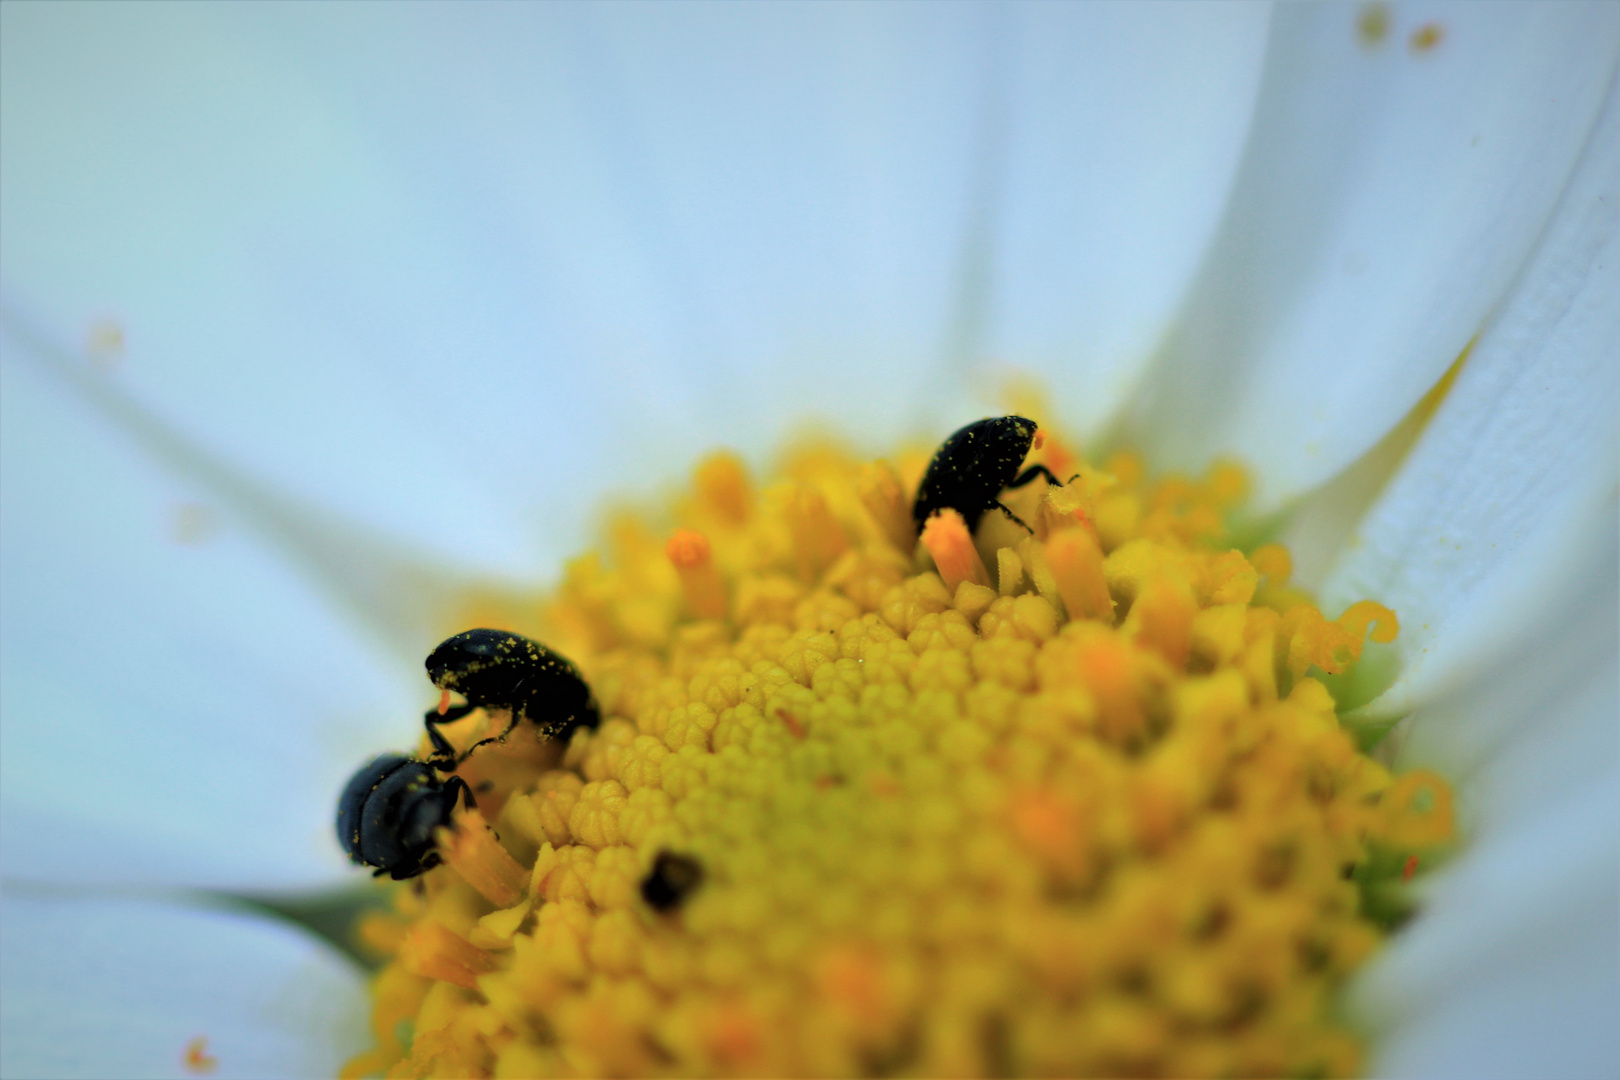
x=456, y=784
x=1003, y=508
x=444, y=755
x=1030, y=474
x=511, y=725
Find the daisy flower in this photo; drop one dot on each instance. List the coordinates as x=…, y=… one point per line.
x=319, y=321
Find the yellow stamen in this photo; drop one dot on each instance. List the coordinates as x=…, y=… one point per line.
x=705, y=593
x=884, y=498
x=472, y=850
x=723, y=489
x=1416, y=812
x=1364, y=613
x=1099, y=818
x=1077, y=564
x=818, y=538
x=1274, y=562
x=947, y=539
x=434, y=951
x=1009, y=571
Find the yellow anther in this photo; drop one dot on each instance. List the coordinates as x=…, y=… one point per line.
x=1039, y=571
x=818, y=539
x=1364, y=613
x=1274, y=562
x=1108, y=669
x=723, y=490
x=1162, y=619
x=473, y=852
x=1077, y=566
x=1313, y=641
x=947, y=539
x=1416, y=812
x=705, y=593
x=1228, y=578
x=494, y=931
x=885, y=499
x=434, y=951
x=1227, y=483
x=1009, y=571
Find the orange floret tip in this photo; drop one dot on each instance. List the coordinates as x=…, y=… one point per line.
x=434, y=951
x=688, y=548
x=705, y=593
x=471, y=849
x=1162, y=619
x=941, y=829
x=1076, y=563
x=947, y=539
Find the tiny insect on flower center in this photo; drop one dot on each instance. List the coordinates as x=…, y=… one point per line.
x=1067, y=795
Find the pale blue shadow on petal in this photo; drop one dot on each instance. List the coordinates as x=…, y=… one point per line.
x=98, y=988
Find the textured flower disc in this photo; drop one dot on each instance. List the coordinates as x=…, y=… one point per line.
x=864, y=803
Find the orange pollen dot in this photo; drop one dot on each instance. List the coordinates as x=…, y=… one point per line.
x=850, y=976
x=734, y=1038
x=792, y=723
x=947, y=539
x=197, y=1059
x=1409, y=868
x=1427, y=36
x=444, y=702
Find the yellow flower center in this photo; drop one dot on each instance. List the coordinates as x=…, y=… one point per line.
x=862, y=804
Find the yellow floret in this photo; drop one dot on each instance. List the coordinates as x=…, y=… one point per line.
x=1076, y=802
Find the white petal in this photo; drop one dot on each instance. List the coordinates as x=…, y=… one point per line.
x=1516, y=472
x=174, y=712
x=1514, y=967
x=453, y=271
x=1499, y=544
x=1104, y=182
x=1388, y=197
x=272, y=200
x=119, y=988
x=1514, y=971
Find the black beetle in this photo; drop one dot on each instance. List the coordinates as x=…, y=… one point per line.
x=972, y=467
x=388, y=813
x=495, y=669
x=672, y=880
